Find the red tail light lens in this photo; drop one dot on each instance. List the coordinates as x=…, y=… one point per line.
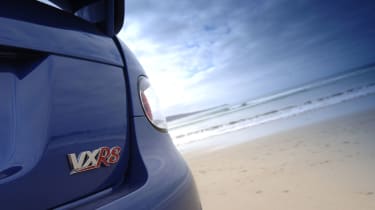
x=150, y=104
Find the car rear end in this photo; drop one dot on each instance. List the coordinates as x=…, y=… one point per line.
x=74, y=133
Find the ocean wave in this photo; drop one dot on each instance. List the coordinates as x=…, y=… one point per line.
x=283, y=112
x=227, y=109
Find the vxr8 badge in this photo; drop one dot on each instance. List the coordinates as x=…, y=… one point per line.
x=88, y=160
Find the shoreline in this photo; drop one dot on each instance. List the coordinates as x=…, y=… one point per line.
x=322, y=160
x=244, y=135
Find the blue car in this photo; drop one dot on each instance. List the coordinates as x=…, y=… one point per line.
x=80, y=123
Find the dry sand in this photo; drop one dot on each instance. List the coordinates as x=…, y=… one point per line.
x=327, y=165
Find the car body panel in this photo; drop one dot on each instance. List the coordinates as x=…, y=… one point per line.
x=158, y=177
x=132, y=78
x=170, y=184
x=62, y=106
x=63, y=92
x=60, y=33
x=66, y=88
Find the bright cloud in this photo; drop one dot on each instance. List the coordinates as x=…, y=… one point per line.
x=201, y=54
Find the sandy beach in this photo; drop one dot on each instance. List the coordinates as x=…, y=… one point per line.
x=324, y=165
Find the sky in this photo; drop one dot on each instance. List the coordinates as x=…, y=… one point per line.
x=200, y=54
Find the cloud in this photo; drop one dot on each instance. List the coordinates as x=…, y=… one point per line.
x=200, y=54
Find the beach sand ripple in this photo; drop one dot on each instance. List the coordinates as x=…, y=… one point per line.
x=327, y=165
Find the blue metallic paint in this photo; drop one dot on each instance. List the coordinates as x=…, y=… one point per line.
x=54, y=32
x=157, y=177
x=169, y=184
x=62, y=106
x=135, y=70
x=75, y=95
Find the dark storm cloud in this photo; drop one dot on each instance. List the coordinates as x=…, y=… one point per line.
x=230, y=51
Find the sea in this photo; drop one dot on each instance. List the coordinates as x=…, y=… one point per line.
x=224, y=119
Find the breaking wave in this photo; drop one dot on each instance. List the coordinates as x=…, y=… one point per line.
x=317, y=95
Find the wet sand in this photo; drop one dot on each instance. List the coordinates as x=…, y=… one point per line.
x=326, y=165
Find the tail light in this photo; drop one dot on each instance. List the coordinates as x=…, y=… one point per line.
x=150, y=104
